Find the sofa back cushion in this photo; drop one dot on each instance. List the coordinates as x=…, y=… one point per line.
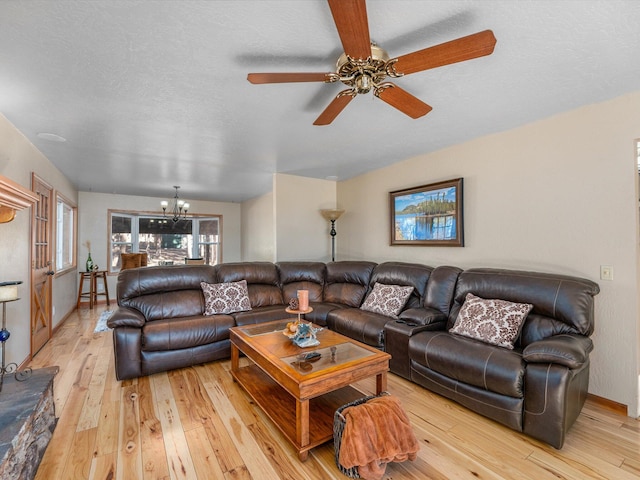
x=441, y=288
x=164, y=292
x=262, y=281
x=403, y=274
x=561, y=304
x=347, y=282
x=296, y=276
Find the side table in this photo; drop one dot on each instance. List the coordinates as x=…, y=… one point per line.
x=92, y=293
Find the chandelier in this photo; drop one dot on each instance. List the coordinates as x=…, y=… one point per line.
x=178, y=210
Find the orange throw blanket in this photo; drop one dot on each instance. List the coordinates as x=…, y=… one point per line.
x=375, y=433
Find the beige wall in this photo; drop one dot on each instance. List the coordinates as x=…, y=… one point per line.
x=301, y=231
x=93, y=224
x=258, y=238
x=286, y=224
x=558, y=195
x=18, y=159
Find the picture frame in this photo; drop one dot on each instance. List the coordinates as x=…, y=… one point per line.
x=428, y=215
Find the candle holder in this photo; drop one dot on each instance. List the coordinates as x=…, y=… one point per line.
x=11, y=368
x=300, y=333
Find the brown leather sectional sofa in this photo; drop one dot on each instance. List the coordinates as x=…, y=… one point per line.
x=537, y=388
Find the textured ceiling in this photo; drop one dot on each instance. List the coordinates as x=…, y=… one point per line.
x=151, y=94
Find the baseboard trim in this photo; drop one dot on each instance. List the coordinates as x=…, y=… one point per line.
x=102, y=301
x=61, y=322
x=27, y=360
x=615, y=407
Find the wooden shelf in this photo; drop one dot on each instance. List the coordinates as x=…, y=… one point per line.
x=14, y=195
x=280, y=406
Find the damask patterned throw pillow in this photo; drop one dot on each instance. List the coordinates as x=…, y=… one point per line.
x=497, y=322
x=225, y=297
x=387, y=299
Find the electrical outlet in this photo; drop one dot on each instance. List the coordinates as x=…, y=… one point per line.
x=606, y=272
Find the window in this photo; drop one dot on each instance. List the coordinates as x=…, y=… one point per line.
x=164, y=241
x=65, y=234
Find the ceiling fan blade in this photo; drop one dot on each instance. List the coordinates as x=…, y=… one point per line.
x=350, y=17
x=402, y=100
x=335, y=107
x=464, y=48
x=258, y=78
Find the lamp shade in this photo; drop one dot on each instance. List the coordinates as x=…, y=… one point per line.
x=331, y=215
x=9, y=291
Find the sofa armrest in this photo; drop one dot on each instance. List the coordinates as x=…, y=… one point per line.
x=424, y=316
x=569, y=350
x=126, y=317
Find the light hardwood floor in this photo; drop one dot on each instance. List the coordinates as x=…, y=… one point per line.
x=196, y=423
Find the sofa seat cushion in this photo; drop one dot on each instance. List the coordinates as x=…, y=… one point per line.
x=321, y=311
x=261, y=315
x=186, y=332
x=360, y=325
x=469, y=361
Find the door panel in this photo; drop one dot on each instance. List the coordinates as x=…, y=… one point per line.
x=41, y=264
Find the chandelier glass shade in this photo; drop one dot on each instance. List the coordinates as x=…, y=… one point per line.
x=178, y=210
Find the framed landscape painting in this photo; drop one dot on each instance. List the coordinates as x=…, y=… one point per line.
x=428, y=215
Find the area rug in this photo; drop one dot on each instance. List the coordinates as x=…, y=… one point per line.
x=101, y=324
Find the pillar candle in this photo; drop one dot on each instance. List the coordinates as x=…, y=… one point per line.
x=303, y=300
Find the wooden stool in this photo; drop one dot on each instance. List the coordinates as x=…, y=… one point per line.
x=93, y=287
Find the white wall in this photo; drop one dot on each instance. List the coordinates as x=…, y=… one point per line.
x=558, y=195
x=18, y=159
x=93, y=224
x=301, y=231
x=258, y=237
x=285, y=224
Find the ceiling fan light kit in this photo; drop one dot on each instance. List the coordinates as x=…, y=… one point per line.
x=364, y=66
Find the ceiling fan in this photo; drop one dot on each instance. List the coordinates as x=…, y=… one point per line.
x=364, y=66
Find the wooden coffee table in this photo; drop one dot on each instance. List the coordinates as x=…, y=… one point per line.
x=301, y=396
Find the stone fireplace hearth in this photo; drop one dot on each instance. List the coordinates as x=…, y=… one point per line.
x=27, y=421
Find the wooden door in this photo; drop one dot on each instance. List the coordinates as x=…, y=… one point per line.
x=41, y=264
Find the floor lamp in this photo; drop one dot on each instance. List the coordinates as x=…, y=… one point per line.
x=332, y=216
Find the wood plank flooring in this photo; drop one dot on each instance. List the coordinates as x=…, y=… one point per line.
x=196, y=423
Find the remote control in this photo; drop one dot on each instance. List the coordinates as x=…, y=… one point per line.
x=311, y=356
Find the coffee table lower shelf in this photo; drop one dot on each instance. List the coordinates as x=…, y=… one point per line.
x=280, y=407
